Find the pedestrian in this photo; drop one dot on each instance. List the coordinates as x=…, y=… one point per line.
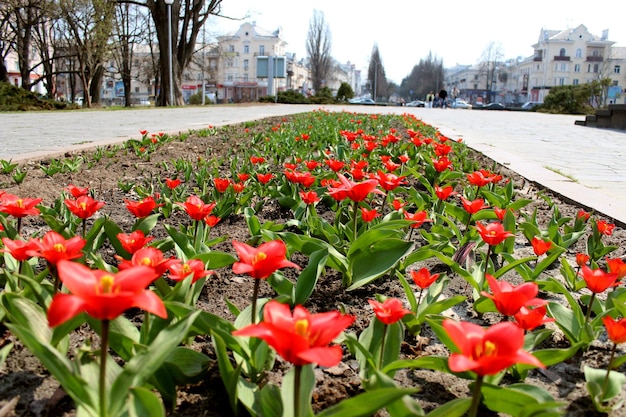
x=443, y=94
x=430, y=97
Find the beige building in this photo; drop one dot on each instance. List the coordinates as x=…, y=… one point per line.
x=562, y=57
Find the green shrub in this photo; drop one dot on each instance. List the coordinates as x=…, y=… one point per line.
x=17, y=99
x=196, y=99
x=345, y=92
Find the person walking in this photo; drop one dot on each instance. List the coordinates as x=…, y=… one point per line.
x=443, y=94
x=430, y=97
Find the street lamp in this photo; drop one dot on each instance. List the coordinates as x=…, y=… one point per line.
x=169, y=48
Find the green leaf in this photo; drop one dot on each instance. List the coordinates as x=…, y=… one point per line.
x=183, y=242
x=513, y=400
x=405, y=406
x=147, y=223
x=595, y=382
x=376, y=259
x=307, y=384
x=307, y=279
x=216, y=259
x=143, y=402
x=454, y=408
x=367, y=403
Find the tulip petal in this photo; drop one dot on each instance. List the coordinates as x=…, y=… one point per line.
x=63, y=308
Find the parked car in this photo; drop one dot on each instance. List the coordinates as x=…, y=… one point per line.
x=361, y=100
x=529, y=105
x=494, y=106
x=416, y=103
x=461, y=104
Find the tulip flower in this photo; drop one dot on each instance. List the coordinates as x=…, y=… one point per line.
x=540, y=246
x=616, y=266
x=77, y=191
x=509, y=298
x=423, y=279
x=443, y=193
x=616, y=331
x=18, y=207
x=181, y=270
x=221, y=184
x=473, y=206
x=605, y=228
x=528, y=319
x=20, y=250
x=151, y=257
x=388, y=312
x=84, y=207
x=486, y=351
x=264, y=178
x=134, y=241
x=597, y=281
x=259, y=263
x=55, y=248
x=492, y=234
x=355, y=191
x=442, y=164
x=309, y=197
x=172, y=183
x=300, y=337
x=369, y=215
x=196, y=208
x=142, y=208
x=103, y=296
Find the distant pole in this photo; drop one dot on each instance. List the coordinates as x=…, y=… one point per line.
x=169, y=48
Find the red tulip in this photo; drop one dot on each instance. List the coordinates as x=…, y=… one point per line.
x=528, y=319
x=493, y=233
x=423, y=278
x=143, y=208
x=509, y=298
x=355, y=191
x=300, y=338
x=181, y=270
x=443, y=193
x=309, y=197
x=54, y=248
x=196, y=208
x=264, y=178
x=77, y=191
x=418, y=218
x=581, y=259
x=605, y=228
x=616, y=329
x=334, y=164
x=369, y=215
x=442, y=164
x=263, y=261
x=389, y=311
x=487, y=351
x=597, y=280
x=101, y=294
x=133, y=241
x=151, y=257
x=211, y=220
x=478, y=179
x=221, y=184
x=21, y=250
x=18, y=207
x=84, y=206
x=540, y=246
x=617, y=266
x=171, y=184
x=388, y=182
x=473, y=206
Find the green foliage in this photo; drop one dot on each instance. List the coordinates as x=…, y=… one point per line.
x=17, y=99
x=574, y=99
x=196, y=99
x=345, y=92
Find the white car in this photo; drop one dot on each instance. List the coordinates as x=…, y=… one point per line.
x=461, y=104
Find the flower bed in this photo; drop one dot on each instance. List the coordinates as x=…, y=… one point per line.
x=372, y=210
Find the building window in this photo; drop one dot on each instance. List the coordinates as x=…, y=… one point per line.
x=589, y=68
x=561, y=81
x=577, y=68
x=562, y=52
x=230, y=77
x=579, y=53
x=136, y=89
x=231, y=48
x=475, y=86
x=575, y=81
x=563, y=66
x=245, y=77
x=245, y=64
x=246, y=49
x=596, y=67
x=616, y=69
x=262, y=50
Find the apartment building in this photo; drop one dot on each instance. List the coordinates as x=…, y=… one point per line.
x=561, y=57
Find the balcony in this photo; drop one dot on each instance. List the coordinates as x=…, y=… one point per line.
x=561, y=58
x=537, y=59
x=594, y=59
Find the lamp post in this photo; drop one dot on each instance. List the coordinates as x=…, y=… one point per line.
x=169, y=49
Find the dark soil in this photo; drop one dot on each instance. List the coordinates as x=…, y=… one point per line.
x=27, y=389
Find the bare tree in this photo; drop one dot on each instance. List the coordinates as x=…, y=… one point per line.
x=318, y=46
x=492, y=56
x=376, y=75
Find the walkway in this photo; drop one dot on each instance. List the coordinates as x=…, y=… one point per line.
x=582, y=164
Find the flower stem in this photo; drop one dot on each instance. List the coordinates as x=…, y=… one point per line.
x=473, y=412
x=593, y=296
x=255, y=293
x=296, y=391
x=104, y=347
x=605, y=385
x=382, y=347
x=487, y=262
x=84, y=227
x=354, y=221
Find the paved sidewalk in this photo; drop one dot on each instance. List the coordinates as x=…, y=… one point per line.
x=583, y=164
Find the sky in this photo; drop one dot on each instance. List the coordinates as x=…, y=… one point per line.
x=457, y=32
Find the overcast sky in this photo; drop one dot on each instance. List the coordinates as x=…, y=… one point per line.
x=407, y=30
